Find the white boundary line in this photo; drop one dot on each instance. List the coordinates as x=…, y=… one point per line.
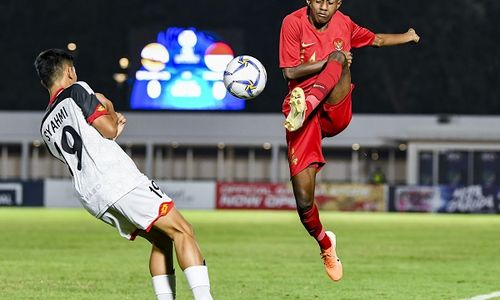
x=486, y=297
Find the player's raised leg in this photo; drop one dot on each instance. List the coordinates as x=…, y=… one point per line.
x=303, y=188
x=342, y=88
x=187, y=251
x=336, y=110
x=301, y=105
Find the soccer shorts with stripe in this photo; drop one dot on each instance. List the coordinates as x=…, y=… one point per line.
x=138, y=210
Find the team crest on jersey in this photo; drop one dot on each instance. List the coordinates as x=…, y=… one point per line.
x=165, y=207
x=338, y=44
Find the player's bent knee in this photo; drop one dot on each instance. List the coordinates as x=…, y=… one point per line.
x=174, y=224
x=169, y=223
x=338, y=56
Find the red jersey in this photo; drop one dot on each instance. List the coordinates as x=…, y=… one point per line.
x=301, y=42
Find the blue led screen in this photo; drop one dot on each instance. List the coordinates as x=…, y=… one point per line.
x=183, y=70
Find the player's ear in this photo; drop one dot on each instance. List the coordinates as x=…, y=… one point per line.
x=67, y=71
x=70, y=72
x=339, y=3
x=308, y=2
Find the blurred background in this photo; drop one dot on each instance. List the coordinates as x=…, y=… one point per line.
x=424, y=136
x=453, y=70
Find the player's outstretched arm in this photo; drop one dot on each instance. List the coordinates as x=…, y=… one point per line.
x=106, y=125
x=308, y=69
x=303, y=70
x=393, y=39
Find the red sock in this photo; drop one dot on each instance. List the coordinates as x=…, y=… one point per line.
x=326, y=81
x=311, y=222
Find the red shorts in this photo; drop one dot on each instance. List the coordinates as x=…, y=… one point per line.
x=304, y=145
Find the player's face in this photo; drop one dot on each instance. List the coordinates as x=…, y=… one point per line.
x=322, y=11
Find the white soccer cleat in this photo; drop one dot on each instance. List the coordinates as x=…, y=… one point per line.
x=298, y=108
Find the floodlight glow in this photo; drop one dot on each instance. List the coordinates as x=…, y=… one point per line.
x=124, y=63
x=71, y=46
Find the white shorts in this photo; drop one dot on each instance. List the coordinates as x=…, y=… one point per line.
x=138, y=210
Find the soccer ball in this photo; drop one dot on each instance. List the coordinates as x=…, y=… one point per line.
x=245, y=77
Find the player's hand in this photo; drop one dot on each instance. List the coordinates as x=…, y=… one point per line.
x=121, y=122
x=413, y=35
x=348, y=56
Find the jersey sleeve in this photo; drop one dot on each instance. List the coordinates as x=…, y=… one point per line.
x=361, y=37
x=86, y=99
x=290, y=42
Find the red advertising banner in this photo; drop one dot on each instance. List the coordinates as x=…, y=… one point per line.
x=255, y=196
x=341, y=197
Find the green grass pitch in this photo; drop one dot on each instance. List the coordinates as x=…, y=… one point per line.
x=66, y=254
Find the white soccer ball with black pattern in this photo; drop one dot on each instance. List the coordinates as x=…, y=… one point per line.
x=245, y=77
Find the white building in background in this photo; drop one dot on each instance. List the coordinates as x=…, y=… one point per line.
x=409, y=149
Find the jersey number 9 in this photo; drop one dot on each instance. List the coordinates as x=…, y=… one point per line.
x=75, y=148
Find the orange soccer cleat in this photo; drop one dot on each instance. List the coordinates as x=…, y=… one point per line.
x=331, y=261
x=298, y=108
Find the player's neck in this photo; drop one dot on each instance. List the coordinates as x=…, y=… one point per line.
x=58, y=86
x=55, y=89
x=319, y=27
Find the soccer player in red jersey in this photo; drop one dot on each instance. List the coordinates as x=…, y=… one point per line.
x=315, y=57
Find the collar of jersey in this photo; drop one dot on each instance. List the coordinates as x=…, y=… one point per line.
x=55, y=96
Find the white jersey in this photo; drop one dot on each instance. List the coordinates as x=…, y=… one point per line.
x=102, y=171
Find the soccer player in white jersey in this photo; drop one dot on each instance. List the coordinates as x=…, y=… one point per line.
x=80, y=128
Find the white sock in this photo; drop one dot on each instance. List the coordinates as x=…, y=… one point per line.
x=197, y=278
x=164, y=287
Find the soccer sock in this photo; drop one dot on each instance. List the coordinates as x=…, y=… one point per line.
x=326, y=81
x=164, y=286
x=311, y=222
x=197, y=278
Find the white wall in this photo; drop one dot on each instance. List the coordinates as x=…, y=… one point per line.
x=255, y=129
x=187, y=130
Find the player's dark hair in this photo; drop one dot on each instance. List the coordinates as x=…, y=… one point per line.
x=50, y=63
